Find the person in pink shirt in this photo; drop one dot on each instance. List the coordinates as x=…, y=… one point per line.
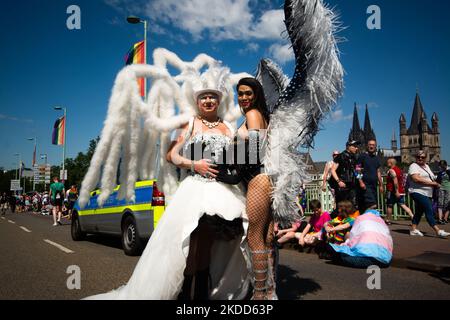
x=312, y=233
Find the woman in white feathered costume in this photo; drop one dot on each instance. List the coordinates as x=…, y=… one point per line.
x=202, y=232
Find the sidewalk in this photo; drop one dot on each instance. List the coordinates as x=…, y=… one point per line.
x=428, y=253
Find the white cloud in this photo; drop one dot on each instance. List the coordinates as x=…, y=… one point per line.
x=249, y=48
x=213, y=19
x=282, y=53
x=223, y=19
x=338, y=116
x=270, y=25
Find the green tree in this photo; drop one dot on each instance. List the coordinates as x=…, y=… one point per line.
x=77, y=167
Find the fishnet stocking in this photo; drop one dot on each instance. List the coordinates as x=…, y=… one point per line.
x=260, y=235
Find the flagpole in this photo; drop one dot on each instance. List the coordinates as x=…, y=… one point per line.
x=64, y=146
x=64, y=141
x=145, y=58
x=33, y=161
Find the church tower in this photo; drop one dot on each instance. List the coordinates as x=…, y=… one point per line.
x=361, y=135
x=419, y=135
x=355, y=132
x=394, y=142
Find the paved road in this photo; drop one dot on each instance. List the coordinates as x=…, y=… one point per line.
x=35, y=257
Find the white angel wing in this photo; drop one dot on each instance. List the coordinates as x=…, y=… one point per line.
x=137, y=134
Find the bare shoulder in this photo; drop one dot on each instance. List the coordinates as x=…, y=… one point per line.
x=255, y=119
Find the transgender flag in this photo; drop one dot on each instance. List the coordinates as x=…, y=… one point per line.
x=136, y=55
x=58, y=131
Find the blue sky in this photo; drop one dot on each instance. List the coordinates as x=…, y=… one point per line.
x=43, y=64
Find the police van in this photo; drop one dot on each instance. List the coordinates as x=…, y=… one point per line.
x=133, y=222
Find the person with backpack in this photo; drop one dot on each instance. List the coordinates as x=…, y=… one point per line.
x=395, y=190
x=57, y=192
x=343, y=175
x=71, y=198
x=421, y=184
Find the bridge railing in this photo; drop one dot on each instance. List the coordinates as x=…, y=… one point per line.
x=314, y=191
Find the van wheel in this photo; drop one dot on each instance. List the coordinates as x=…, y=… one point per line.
x=75, y=228
x=131, y=242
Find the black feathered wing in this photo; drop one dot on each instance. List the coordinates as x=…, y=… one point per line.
x=316, y=85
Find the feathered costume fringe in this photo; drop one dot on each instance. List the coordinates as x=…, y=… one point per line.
x=315, y=87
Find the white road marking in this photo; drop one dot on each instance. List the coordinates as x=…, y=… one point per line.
x=3, y=218
x=60, y=247
x=25, y=229
x=10, y=221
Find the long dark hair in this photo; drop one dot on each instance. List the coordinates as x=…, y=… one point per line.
x=260, y=100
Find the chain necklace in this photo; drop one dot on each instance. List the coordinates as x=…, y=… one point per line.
x=210, y=124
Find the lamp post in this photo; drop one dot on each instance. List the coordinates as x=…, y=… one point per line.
x=34, y=160
x=64, y=141
x=44, y=156
x=18, y=165
x=136, y=20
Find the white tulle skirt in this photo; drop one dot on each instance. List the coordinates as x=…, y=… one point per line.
x=159, y=272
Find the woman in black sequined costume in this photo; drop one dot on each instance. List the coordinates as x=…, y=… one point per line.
x=259, y=187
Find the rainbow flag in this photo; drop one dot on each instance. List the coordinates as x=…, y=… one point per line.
x=136, y=55
x=58, y=131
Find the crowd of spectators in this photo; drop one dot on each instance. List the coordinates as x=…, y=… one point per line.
x=38, y=202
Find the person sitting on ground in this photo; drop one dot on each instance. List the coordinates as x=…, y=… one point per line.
x=287, y=234
x=369, y=243
x=338, y=228
x=312, y=233
x=284, y=233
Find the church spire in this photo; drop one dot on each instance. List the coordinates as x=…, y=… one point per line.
x=356, y=132
x=368, y=131
x=393, y=141
x=416, y=116
x=355, y=127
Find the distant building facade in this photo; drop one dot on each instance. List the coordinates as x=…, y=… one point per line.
x=419, y=135
x=393, y=152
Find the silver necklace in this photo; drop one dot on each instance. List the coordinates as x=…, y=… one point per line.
x=210, y=124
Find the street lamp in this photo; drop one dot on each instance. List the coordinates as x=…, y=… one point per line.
x=34, y=161
x=44, y=156
x=64, y=141
x=136, y=20
x=18, y=165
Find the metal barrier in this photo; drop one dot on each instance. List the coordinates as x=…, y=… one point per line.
x=326, y=198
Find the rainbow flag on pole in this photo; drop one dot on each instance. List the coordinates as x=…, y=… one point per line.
x=58, y=131
x=136, y=55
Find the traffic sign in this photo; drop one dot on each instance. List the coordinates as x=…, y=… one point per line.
x=15, y=185
x=61, y=176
